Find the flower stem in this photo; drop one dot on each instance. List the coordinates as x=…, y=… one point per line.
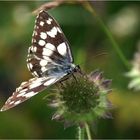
x=88, y=132
x=81, y=133
x=108, y=33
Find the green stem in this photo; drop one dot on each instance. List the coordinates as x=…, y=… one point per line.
x=88, y=131
x=108, y=33
x=81, y=133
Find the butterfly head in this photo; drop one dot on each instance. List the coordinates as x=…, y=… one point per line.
x=76, y=68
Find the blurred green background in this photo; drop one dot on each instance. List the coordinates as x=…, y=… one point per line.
x=91, y=49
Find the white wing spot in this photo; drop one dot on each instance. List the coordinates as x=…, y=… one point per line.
x=34, y=49
x=31, y=80
x=41, y=42
x=43, y=62
x=23, y=83
x=30, y=94
x=30, y=66
x=49, y=21
x=41, y=23
x=33, y=40
x=40, y=12
x=35, y=73
x=47, y=58
x=43, y=69
x=59, y=30
x=49, y=82
x=11, y=102
x=50, y=46
x=31, y=48
x=43, y=35
x=38, y=15
x=52, y=32
x=47, y=52
x=62, y=48
x=34, y=85
x=18, y=89
x=28, y=59
x=21, y=94
x=35, y=33
x=24, y=90
x=17, y=102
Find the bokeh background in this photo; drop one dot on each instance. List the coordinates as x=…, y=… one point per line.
x=91, y=49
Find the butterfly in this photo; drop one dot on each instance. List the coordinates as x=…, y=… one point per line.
x=49, y=60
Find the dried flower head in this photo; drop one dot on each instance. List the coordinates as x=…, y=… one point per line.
x=81, y=99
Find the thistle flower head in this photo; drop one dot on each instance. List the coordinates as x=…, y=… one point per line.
x=81, y=99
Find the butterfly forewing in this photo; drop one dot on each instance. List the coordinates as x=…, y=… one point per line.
x=49, y=46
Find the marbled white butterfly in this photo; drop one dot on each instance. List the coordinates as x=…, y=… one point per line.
x=49, y=60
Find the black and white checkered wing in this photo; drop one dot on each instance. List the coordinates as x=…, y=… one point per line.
x=28, y=89
x=49, y=46
x=49, y=59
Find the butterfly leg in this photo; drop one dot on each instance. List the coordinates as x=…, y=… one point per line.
x=74, y=77
x=61, y=83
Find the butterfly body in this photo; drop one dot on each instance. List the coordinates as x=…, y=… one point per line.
x=49, y=60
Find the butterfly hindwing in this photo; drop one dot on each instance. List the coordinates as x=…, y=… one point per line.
x=28, y=89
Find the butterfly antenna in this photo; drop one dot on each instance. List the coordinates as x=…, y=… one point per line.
x=101, y=54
